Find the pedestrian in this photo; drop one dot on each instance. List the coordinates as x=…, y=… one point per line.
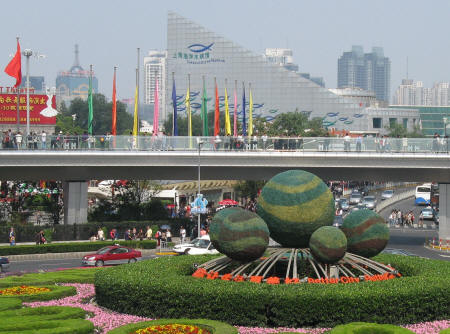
x=158, y=236
x=347, y=142
x=127, y=235
x=112, y=234
x=19, y=140
x=421, y=219
x=44, y=140
x=149, y=233
x=169, y=236
x=182, y=234
x=100, y=234
x=133, y=233
x=12, y=237
x=140, y=235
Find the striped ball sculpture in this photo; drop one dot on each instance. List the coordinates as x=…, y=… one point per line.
x=239, y=234
x=294, y=204
x=366, y=231
x=328, y=244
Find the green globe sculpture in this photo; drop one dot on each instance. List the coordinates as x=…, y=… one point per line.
x=328, y=244
x=366, y=231
x=240, y=234
x=294, y=204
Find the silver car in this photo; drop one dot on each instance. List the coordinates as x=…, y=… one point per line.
x=387, y=194
x=370, y=202
x=355, y=198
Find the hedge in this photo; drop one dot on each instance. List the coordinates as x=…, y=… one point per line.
x=68, y=247
x=445, y=331
x=57, y=291
x=73, y=326
x=85, y=275
x=164, y=287
x=10, y=303
x=365, y=327
x=215, y=327
x=42, y=313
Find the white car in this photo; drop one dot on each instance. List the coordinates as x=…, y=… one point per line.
x=387, y=194
x=198, y=246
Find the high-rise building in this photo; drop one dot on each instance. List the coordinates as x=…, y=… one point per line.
x=282, y=57
x=154, y=69
x=369, y=71
x=75, y=82
x=36, y=82
x=412, y=93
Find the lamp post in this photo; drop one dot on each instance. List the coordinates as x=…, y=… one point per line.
x=445, y=119
x=199, y=144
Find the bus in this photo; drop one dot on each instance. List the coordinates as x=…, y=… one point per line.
x=423, y=194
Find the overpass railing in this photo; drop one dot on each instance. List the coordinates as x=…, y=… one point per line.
x=227, y=143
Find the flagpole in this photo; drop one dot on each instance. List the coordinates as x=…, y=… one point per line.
x=18, y=102
x=189, y=111
x=174, y=106
x=137, y=83
x=28, y=54
x=114, y=106
x=235, y=110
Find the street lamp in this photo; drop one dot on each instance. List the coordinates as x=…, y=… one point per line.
x=74, y=118
x=199, y=144
x=445, y=119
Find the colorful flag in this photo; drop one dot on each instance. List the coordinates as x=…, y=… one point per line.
x=244, y=129
x=90, y=104
x=216, y=113
x=14, y=68
x=250, y=113
x=235, y=110
x=205, y=111
x=156, y=111
x=188, y=110
x=174, y=102
x=114, y=106
x=227, y=114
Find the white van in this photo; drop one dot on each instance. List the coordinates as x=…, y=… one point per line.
x=423, y=194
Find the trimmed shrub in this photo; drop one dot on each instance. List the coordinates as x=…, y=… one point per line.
x=10, y=303
x=57, y=291
x=73, y=326
x=64, y=276
x=445, y=331
x=215, y=327
x=164, y=287
x=68, y=247
x=42, y=313
x=366, y=327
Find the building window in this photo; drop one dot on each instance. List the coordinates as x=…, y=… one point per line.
x=392, y=122
x=377, y=123
x=405, y=123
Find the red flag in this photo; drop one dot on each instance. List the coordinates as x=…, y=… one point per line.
x=14, y=68
x=114, y=106
x=217, y=114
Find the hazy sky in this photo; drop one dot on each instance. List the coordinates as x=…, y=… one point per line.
x=109, y=31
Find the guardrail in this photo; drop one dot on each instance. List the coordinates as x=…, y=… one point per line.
x=396, y=198
x=85, y=142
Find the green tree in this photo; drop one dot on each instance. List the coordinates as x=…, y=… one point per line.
x=102, y=116
x=399, y=130
x=248, y=188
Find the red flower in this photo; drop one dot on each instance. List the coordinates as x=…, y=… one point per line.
x=256, y=279
x=200, y=272
x=239, y=278
x=226, y=277
x=212, y=275
x=291, y=281
x=273, y=280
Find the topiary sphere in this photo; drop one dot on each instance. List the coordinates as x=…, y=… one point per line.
x=366, y=231
x=240, y=234
x=294, y=204
x=328, y=244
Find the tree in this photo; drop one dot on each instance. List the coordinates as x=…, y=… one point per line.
x=249, y=188
x=102, y=117
x=398, y=130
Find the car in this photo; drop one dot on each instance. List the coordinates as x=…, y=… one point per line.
x=198, y=246
x=370, y=202
x=338, y=221
x=355, y=198
x=4, y=264
x=387, y=194
x=115, y=254
x=358, y=207
x=343, y=204
x=428, y=214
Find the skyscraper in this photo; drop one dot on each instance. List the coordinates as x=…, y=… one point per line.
x=154, y=69
x=369, y=71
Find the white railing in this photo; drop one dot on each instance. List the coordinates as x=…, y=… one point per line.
x=394, y=199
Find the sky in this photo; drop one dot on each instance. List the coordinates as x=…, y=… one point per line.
x=109, y=32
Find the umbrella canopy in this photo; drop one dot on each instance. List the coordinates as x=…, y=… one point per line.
x=228, y=202
x=165, y=227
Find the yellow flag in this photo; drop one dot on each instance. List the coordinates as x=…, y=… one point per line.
x=227, y=115
x=135, y=123
x=188, y=110
x=250, y=115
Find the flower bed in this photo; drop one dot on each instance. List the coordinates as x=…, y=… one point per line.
x=164, y=287
x=172, y=329
x=33, y=293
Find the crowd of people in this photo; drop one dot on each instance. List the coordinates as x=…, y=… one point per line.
x=397, y=217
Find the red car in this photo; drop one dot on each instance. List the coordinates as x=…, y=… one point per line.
x=112, y=255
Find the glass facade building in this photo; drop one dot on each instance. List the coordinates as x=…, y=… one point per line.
x=194, y=50
x=433, y=119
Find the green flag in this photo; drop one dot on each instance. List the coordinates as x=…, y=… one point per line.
x=91, y=109
x=205, y=111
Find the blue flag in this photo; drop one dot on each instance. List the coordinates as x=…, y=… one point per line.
x=244, y=126
x=174, y=102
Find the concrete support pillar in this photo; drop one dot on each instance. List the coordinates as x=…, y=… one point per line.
x=75, y=202
x=444, y=211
